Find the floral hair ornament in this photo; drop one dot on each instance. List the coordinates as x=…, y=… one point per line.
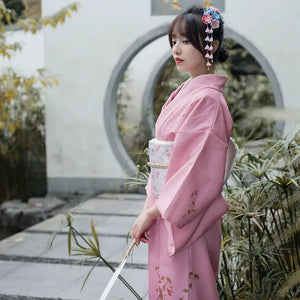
x=211, y=17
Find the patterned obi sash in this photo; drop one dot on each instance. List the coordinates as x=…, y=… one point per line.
x=159, y=156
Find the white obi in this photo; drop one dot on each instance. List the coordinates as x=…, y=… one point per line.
x=159, y=157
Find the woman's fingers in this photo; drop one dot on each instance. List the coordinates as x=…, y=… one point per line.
x=145, y=238
x=140, y=228
x=133, y=231
x=135, y=235
x=140, y=237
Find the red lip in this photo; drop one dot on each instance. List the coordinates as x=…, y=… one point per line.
x=178, y=60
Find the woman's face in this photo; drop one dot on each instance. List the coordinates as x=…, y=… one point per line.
x=187, y=57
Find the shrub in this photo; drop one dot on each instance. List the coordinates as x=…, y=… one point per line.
x=22, y=132
x=260, y=255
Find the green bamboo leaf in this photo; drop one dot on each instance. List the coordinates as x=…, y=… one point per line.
x=95, y=234
x=81, y=254
x=51, y=239
x=86, y=257
x=8, y=18
x=89, y=273
x=69, y=241
x=86, y=251
x=82, y=261
x=93, y=246
x=43, y=83
x=55, y=80
x=92, y=252
x=78, y=250
x=295, y=182
x=76, y=241
x=62, y=19
x=74, y=7
x=292, y=281
x=11, y=128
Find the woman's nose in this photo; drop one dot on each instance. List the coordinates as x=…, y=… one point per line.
x=176, y=48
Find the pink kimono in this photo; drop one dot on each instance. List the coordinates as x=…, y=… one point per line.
x=184, y=244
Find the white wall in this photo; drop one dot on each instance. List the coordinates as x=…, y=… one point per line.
x=30, y=58
x=139, y=71
x=83, y=52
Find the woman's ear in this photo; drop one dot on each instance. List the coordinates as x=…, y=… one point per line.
x=215, y=45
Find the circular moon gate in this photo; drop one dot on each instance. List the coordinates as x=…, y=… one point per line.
x=110, y=101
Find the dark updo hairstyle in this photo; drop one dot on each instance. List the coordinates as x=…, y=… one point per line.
x=189, y=24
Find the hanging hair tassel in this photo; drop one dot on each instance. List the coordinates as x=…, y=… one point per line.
x=211, y=17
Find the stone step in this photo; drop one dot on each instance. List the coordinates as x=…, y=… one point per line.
x=28, y=268
x=65, y=281
x=34, y=245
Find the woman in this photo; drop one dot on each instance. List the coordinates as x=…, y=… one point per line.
x=182, y=221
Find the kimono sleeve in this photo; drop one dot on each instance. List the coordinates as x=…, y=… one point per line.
x=197, y=164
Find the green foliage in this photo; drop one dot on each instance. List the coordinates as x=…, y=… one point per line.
x=16, y=6
x=247, y=90
x=243, y=98
x=260, y=256
x=131, y=131
x=33, y=25
x=22, y=132
x=143, y=172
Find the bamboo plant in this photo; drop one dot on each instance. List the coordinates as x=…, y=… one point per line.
x=260, y=254
x=87, y=248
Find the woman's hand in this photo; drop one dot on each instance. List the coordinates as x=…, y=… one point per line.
x=143, y=223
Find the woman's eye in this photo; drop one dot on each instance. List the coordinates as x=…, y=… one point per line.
x=173, y=43
x=185, y=41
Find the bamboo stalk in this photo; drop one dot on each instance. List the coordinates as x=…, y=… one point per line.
x=228, y=276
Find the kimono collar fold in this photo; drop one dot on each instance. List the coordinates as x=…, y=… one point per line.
x=214, y=81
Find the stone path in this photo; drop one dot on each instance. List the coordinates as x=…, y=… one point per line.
x=30, y=270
